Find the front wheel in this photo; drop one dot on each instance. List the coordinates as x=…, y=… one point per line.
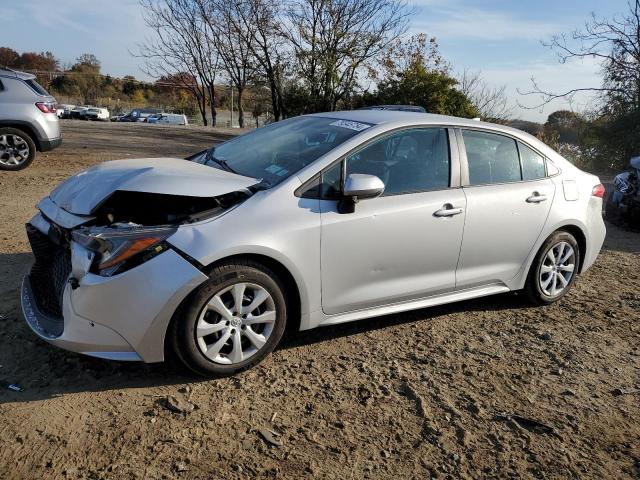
x=554, y=269
x=233, y=320
x=17, y=149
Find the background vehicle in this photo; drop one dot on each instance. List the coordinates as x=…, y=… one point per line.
x=168, y=119
x=623, y=203
x=310, y=221
x=397, y=108
x=79, y=112
x=139, y=114
x=28, y=120
x=96, y=113
x=64, y=111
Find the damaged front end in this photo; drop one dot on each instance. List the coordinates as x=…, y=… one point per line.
x=109, y=220
x=130, y=228
x=120, y=214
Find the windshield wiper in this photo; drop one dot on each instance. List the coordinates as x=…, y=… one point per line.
x=219, y=161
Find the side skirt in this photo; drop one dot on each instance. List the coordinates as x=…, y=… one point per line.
x=451, y=297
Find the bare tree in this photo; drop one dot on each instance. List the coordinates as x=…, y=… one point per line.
x=491, y=101
x=224, y=21
x=616, y=43
x=333, y=39
x=181, y=49
x=260, y=20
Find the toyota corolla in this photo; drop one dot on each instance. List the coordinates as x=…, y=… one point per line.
x=307, y=222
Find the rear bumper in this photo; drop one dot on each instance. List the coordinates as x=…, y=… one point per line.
x=596, y=232
x=49, y=144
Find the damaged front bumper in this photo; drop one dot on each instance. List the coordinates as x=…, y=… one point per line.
x=122, y=317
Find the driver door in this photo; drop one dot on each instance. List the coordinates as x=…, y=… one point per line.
x=400, y=246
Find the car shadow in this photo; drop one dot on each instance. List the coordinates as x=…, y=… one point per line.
x=621, y=239
x=44, y=371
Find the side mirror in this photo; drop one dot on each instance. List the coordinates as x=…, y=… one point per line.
x=363, y=186
x=359, y=186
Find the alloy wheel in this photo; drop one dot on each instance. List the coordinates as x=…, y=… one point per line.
x=557, y=269
x=235, y=323
x=14, y=150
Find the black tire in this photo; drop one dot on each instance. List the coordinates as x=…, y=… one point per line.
x=28, y=140
x=182, y=333
x=532, y=288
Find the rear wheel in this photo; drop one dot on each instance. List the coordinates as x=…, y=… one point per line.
x=554, y=269
x=17, y=149
x=233, y=321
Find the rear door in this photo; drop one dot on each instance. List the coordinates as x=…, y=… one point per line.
x=508, y=199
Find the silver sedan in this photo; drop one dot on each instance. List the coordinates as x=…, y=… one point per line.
x=307, y=222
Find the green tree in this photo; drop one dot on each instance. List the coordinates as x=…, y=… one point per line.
x=567, y=124
x=82, y=80
x=434, y=90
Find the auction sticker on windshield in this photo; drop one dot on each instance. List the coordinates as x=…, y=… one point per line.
x=357, y=126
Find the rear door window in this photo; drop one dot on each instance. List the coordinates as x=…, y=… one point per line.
x=532, y=163
x=492, y=158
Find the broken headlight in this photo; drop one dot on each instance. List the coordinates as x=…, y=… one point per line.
x=119, y=249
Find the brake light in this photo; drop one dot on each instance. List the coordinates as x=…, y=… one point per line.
x=47, y=107
x=598, y=191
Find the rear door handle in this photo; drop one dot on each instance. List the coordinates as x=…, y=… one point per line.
x=536, y=198
x=448, y=210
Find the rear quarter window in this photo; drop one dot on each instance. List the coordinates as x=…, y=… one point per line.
x=39, y=89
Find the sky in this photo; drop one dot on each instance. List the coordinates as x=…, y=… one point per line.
x=500, y=38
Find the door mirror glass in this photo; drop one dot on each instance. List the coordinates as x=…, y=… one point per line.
x=363, y=186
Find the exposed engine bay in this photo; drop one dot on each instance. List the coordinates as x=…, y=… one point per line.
x=149, y=209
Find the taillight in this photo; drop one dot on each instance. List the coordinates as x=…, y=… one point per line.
x=598, y=191
x=47, y=107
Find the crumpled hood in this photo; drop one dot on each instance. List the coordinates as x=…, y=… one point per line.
x=84, y=192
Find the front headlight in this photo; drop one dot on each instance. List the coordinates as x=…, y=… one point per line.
x=119, y=248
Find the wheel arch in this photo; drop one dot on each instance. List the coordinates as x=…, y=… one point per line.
x=580, y=237
x=26, y=128
x=292, y=291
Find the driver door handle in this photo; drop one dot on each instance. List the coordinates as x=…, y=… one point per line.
x=448, y=210
x=536, y=198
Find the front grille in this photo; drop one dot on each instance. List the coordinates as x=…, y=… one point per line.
x=49, y=273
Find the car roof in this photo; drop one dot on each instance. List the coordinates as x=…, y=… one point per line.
x=7, y=72
x=380, y=117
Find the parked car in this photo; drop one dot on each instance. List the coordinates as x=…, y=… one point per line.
x=79, y=112
x=623, y=203
x=96, y=113
x=397, y=108
x=28, y=120
x=168, y=119
x=139, y=114
x=116, y=118
x=310, y=221
x=64, y=111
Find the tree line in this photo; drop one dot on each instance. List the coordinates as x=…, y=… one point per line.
x=307, y=56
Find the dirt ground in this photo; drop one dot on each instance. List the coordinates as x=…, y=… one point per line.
x=483, y=389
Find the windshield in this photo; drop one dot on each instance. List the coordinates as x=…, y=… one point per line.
x=275, y=152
